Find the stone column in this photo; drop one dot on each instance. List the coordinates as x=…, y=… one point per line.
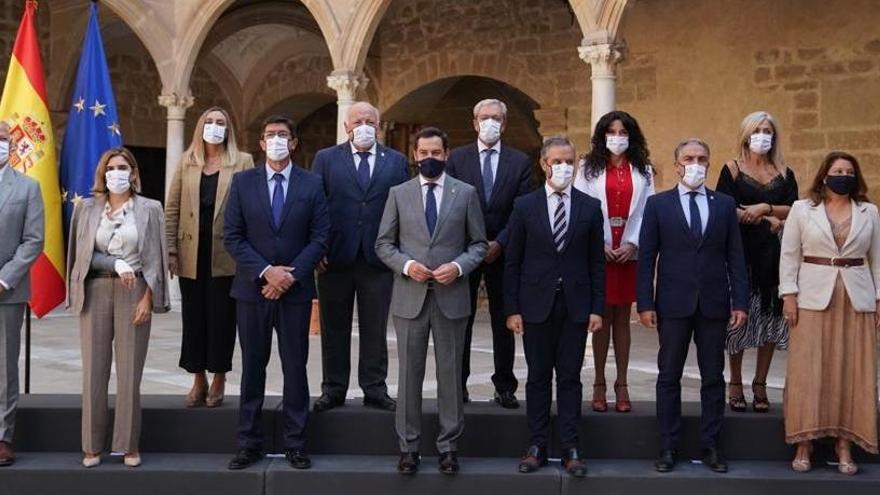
x=603, y=59
x=346, y=84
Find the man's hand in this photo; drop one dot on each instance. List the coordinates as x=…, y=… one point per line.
x=2, y=289
x=648, y=319
x=419, y=272
x=272, y=293
x=515, y=324
x=493, y=253
x=142, y=311
x=322, y=266
x=737, y=319
x=446, y=273
x=172, y=265
x=790, y=309
x=595, y=324
x=626, y=252
x=279, y=277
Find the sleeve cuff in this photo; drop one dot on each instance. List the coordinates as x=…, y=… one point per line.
x=406, y=267
x=460, y=271
x=5, y=285
x=264, y=271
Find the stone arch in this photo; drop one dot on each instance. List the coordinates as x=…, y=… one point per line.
x=297, y=75
x=599, y=19
x=315, y=116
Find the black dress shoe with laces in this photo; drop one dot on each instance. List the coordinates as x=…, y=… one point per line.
x=409, y=463
x=385, y=403
x=298, y=458
x=666, y=462
x=535, y=458
x=448, y=463
x=573, y=462
x=245, y=458
x=713, y=460
x=506, y=400
x=326, y=402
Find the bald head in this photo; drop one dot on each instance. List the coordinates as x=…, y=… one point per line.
x=362, y=125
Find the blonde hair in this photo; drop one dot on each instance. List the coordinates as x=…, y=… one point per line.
x=748, y=127
x=99, y=188
x=195, y=154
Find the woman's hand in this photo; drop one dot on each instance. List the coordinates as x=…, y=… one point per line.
x=144, y=308
x=626, y=252
x=753, y=214
x=172, y=265
x=610, y=254
x=790, y=310
x=775, y=224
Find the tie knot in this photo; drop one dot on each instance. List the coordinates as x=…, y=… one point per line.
x=693, y=194
x=431, y=185
x=363, y=154
x=278, y=177
x=559, y=194
x=489, y=151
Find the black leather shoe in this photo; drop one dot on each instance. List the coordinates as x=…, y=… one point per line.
x=326, y=402
x=573, y=462
x=506, y=400
x=713, y=460
x=535, y=458
x=298, y=458
x=244, y=458
x=409, y=463
x=385, y=403
x=666, y=462
x=448, y=463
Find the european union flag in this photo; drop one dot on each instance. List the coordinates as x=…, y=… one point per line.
x=92, y=124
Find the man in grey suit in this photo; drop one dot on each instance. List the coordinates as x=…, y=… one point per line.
x=21, y=242
x=432, y=237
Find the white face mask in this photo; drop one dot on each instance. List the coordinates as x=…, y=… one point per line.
x=364, y=136
x=617, y=144
x=118, y=181
x=4, y=152
x=276, y=149
x=760, y=143
x=214, y=133
x=490, y=131
x=561, y=175
x=694, y=175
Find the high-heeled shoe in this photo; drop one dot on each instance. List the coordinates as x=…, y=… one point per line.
x=196, y=397
x=848, y=468
x=621, y=405
x=803, y=465
x=737, y=402
x=760, y=404
x=215, y=398
x=600, y=404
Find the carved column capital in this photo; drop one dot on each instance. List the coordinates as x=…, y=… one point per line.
x=346, y=83
x=176, y=104
x=602, y=57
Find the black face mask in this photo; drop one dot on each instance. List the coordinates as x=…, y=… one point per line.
x=431, y=168
x=842, y=184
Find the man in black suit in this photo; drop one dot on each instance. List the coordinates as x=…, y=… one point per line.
x=500, y=174
x=692, y=283
x=554, y=293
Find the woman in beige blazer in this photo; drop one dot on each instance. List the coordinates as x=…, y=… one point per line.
x=116, y=265
x=830, y=283
x=194, y=230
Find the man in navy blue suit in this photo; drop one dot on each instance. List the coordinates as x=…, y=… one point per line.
x=357, y=175
x=500, y=174
x=554, y=293
x=276, y=229
x=690, y=236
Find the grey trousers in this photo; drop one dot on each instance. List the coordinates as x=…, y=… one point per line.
x=412, y=351
x=11, y=317
x=106, y=329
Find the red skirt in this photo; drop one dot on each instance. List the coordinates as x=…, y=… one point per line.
x=620, y=283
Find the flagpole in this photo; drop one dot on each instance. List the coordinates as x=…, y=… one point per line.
x=27, y=350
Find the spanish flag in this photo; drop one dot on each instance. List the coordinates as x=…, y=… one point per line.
x=25, y=107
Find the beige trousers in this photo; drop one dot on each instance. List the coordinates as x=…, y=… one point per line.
x=106, y=328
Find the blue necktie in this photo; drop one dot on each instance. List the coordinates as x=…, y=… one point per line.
x=696, y=222
x=431, y=208
x=364, y=169
x=277, y=199
x=488, y=179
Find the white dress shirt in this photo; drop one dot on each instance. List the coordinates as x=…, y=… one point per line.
x=270, y=178
x=438, y=196
x=371, y=159
x=702, y=204
x=117, y=234
x=553, y=203
x=481, y=147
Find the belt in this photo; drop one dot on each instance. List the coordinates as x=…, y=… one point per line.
x=842, y=262
x=617, y=221
x=107, y=274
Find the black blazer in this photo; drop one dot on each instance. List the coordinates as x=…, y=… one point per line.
x=512, y=179
x=533, y=267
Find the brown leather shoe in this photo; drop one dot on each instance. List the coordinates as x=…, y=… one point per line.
x=7, y=454
x=535, y=458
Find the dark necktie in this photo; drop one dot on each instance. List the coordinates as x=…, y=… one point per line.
x=560, y=224
x=488, y=178
x=364, y=169
x=277, y=199
x=696, y=221
x=431, y=208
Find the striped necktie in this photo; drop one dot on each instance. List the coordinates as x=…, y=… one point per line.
x=560, y=224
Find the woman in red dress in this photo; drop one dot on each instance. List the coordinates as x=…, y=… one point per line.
x=616, y=171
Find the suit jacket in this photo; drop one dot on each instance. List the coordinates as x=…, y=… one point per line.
x=81, y=255
x=21, y=233
x=808, y=233
x=182, y=217
x=459, y=236
x=642, y=188
x=255, y=243
x=355, y=212
x=533, y=266
x=512, y=179
x=708, y=275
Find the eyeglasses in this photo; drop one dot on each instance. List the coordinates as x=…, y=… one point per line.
x=272, y=134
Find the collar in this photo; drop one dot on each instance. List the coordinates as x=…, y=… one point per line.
x=548, y=191
x=354, y=151
x=481, y=147
x=440, y=180
x=270, y=172
x=683, y=189
x=126, y=207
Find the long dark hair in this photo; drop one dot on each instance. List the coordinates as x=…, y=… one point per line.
x=817, y=190
x=597, y=159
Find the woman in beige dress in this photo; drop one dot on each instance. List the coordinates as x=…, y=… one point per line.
x=830, y=283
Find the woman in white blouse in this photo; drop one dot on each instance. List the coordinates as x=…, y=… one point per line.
x=116, y=265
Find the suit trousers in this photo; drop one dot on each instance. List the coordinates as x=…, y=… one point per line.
x=710, y=336
x=255, y=324
x=11, y=317
x=412, y=351
x=106, y=329
x=336, y=291
x=503, y=342
x=557, y=344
